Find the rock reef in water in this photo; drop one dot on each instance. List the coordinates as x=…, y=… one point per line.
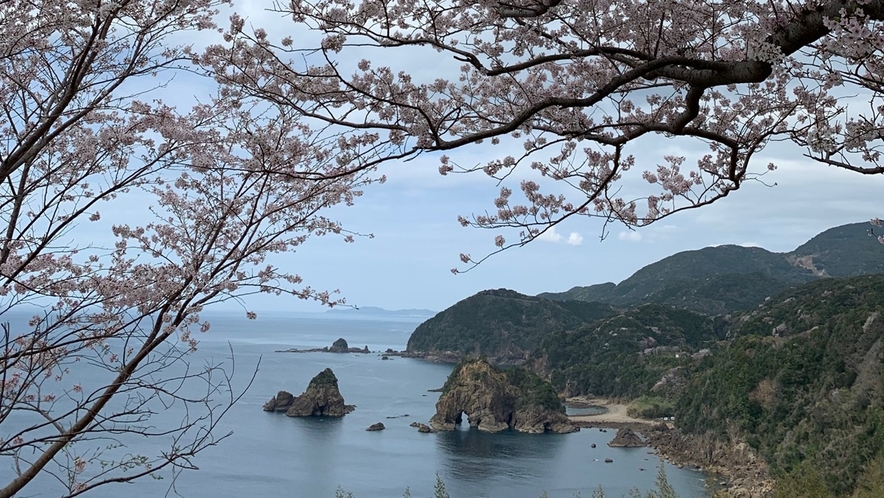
x=321, y=399
x=424, y=428
x=495, y=400
x=339, y=346
x=626, y=438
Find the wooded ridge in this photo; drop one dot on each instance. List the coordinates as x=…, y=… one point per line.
x=780, y=351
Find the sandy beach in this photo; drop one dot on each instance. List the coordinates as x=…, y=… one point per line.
x=614, y=415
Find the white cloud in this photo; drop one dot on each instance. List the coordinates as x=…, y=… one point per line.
x=575, y=239
x=550, y=235
x=630, y=236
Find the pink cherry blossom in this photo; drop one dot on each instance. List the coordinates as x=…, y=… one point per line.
x=572, y=90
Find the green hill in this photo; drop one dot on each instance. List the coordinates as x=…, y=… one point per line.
x=506, y=326
x=723, y=279
x=712, y=280
x=844, y=251
x=501, y=324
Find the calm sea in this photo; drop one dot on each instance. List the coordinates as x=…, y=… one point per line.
x=274, y=455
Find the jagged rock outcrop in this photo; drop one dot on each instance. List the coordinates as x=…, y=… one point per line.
x=279, y=403
x=376, y=427
x=496, y=400
x=321, y=399
x=626, y=438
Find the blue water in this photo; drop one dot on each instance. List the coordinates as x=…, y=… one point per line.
x=270, y=454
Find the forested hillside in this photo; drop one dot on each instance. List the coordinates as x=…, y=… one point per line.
x=803, y=380
x=626, y=354
x=780, y=352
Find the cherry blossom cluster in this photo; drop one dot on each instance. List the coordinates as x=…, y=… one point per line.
x=584, y=86
x=220, y=186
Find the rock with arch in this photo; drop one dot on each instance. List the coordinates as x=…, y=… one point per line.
x=496, y=400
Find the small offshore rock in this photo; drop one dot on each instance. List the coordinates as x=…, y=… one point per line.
x=424, y=428
x=376, y=427
x=626, y=438
x=609, y=460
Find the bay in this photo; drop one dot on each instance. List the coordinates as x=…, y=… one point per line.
x=271, y=454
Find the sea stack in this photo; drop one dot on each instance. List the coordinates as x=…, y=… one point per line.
x=496, y=400
x=321, y=399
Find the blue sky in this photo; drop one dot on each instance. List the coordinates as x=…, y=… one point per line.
x=413, y=217
x=417, y=238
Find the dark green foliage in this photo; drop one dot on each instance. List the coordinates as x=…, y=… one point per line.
x=809, y=401
x=324, y=378
x=598, y=293
x=713, y=280
x=651, y=407
x=535, y=390
x=588, y=311
x=707, y=262
x=499, y=322
x=606, y=358
x=719, y=294
x=817, y=303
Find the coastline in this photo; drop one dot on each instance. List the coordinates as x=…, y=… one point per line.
x=614, y=415
x=741, y=472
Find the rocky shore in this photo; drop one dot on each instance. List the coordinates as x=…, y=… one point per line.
x=504, y=359
x=447, y=357
x=744, y=474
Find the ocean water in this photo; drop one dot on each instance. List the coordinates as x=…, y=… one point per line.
x=269, y=454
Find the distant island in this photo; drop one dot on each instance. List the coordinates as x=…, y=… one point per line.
x=376, y=311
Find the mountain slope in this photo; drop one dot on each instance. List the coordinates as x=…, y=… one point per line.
x=500, y=324
x=722, y=279
x=625, y=354
x=803, y=381
x=843, y=251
